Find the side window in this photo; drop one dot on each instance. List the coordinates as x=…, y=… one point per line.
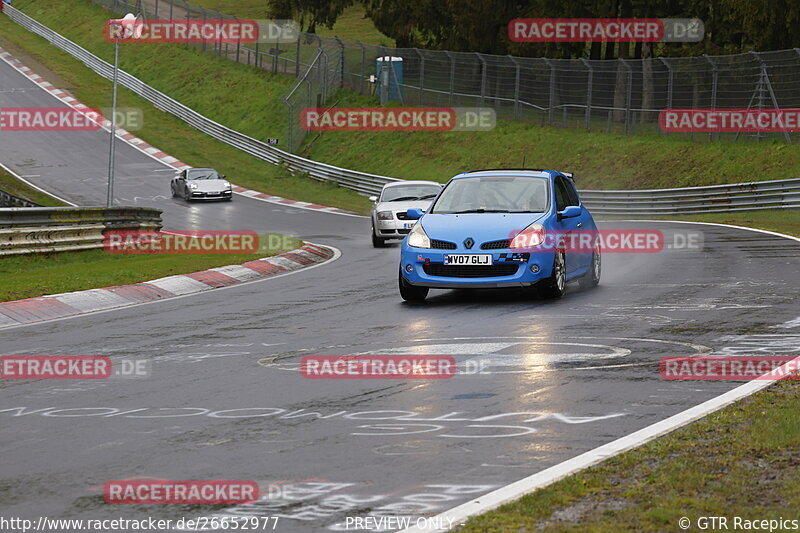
x=562, y=197
x=571, y=193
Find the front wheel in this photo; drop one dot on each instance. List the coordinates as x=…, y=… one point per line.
x=377, y=242
x=411, y=293
x=592, y=278
x=556, y=285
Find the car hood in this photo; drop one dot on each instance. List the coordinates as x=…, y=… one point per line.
x=210, y=185
x=403, y=206
x=482, y=227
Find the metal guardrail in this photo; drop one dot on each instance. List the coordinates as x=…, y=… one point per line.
x=27, y=230
x=654, y=202
x=9, y=200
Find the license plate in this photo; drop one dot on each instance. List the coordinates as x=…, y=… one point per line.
x=408, y=225
x=464, y=259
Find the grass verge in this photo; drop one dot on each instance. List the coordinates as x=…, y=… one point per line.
x=680, y=475
x=247, y=99
x=29, y=276
x=12, y=185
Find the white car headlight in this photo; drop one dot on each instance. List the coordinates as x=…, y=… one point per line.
x=228, y=185
x=192, y=186
x=530, y=237
x=418, y=238
x=385, y=215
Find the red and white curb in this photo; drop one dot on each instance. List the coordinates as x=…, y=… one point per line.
x=56, y=306
x=66, y=98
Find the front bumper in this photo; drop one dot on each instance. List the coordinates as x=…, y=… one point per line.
x=423, y=267
x=205, y=195
x=393, y=229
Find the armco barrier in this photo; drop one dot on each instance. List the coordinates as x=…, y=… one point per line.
x=26, y=230
x=720, y=198
x=9, y=200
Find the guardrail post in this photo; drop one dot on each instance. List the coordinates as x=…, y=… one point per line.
x=589, y=83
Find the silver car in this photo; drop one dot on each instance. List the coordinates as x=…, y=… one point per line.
x=201, y=184
x=388, y=215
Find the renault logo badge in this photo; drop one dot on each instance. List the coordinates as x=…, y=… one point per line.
x=468, y=243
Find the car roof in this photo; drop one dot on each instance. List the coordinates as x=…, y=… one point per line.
x=411, y=182
x=521, y=172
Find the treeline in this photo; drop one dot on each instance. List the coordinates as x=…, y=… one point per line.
x=731, y=26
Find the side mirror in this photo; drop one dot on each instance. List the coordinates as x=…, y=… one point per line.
x=223, y=176
x=570, y=212
x=373, y=198
x=415, y=213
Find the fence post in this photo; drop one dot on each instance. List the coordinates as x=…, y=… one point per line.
x=629, y=94
x=341, y=60
x=768, y=83
x=670, y=76
x=421, y=76
x=324, y=75
x=452, y=77
x=363, y=66
x=517, y=113
x=714, y=78
x=589, y=83
x=551, y=99
x=483, y=77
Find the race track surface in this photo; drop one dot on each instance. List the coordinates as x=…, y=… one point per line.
x=225, y=400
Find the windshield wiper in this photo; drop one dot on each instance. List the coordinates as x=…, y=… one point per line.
x=481, y=211
x=402, y=199
x=426, y=196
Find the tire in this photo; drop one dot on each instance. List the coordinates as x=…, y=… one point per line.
x=592, y=278
x=556, y=285
x=186, y=196
x=172, y=187
x=410, y=293
x=377, y=242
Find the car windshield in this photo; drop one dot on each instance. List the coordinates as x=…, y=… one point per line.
x=518, y=194
x=203, y=175
x=400, y=193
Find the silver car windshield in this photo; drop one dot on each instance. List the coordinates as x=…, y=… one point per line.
x=203, y=175
x=518, y=194
x=400, y=193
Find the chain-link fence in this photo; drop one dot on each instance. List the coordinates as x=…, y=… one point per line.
x=615, y=96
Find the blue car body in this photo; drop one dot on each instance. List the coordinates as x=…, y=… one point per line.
x=485, y=231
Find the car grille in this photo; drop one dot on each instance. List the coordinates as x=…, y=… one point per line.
x=459, y=271
x=442, y=245
x=401, y=215
x=496, y=245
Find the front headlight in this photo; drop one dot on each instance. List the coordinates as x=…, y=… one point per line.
x=530, y=237
x=192, y=186
x=418, y=238
x=228, y=186
x=385, y=215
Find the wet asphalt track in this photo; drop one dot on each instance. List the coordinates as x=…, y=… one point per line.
x=224, y=399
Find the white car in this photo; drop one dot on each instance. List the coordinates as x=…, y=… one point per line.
x=389, y=220
x=201, y=184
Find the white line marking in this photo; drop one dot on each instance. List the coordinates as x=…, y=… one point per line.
x=31, y=185
x=550, y=475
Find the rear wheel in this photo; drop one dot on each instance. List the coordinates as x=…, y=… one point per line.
x=411, y=293
x=592, y=278
x=556, y=285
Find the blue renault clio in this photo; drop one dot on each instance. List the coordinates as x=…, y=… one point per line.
x=500, y=228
